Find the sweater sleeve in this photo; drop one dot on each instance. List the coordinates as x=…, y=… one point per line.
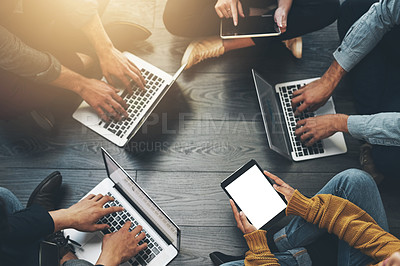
x=259, y=253
x=346, y=220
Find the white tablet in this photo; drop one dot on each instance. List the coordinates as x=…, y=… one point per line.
x=254, y=194
x=249, y=27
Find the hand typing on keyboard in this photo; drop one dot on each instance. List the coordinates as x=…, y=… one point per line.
x=120, y=246
x=313, y=129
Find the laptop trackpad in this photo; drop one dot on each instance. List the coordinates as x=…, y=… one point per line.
x=91, y=250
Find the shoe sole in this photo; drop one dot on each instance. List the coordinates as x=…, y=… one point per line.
x=39, y=187
x=187, y=54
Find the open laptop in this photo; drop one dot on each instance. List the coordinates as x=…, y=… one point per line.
x=280, y=122
x=162, y=234
x=141, y=103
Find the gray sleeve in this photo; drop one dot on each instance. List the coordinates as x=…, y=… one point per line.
x=24, y=61
x=366, y=32
x=79, y=12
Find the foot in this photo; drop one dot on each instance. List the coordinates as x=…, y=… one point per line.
x=368, y=164
x=44, y=119
x=200, y=50
x=47, y=192
x=219, y=258
x=295, y=45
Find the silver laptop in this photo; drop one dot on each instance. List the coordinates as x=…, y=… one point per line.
x=280, y=122
x=141, y=104
x=162, y=234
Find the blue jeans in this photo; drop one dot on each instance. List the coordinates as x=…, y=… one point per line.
x=353, y=185
x=12, y=205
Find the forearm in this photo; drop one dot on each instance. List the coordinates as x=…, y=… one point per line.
x=69, y=80
x=62, y=219
x=285, y=4
x=333, y=76
x=259, y=253
x=379, y=129
x=347, y=221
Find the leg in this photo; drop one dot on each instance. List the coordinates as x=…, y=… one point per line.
x=77, y=262
x=352, y=185
x=10, y=201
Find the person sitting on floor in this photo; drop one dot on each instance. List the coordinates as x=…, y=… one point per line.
x=340, y=208
x=369, y=53
x=48, y=48
x=22, y=229
x=201, y=18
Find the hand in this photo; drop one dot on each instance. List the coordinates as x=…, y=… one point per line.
x=85, y=214
x=311, y=97
x=120, y=246
x=280, y=18
x=281, y=186
x=393, y=260
x=229, y=9
x=116, y=67
x=313, y=129
x=103, y=98
x=241, y=220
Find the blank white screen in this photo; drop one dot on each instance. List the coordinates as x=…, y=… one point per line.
x=256, y=197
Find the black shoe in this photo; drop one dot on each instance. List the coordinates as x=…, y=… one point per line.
x=61, y=241
x=123, y=34
x=47, y=192
x=219, y=258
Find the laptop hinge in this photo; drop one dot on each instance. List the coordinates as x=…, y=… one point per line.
x=136, y=207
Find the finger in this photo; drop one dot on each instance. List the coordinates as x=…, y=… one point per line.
x=236, y=215
x=138, y=73
x=109, y=80
x=135, y=78
x=219, y=13
x=244, y=220
x=100, y=227
x=142, y=247
x=240, y=9
x=126, y=226
x=90, y=196
x=109, y=210
x=308, y=135
x=102, y=115
x=225, y=12
x=141, y=236
x=118, y=108
x=299, y=91
x=137, y=230
x=111, y=112
x=311, y=141
x=276, y=179
x=283, y=190
x=97, y=197
x=106, y=199
x=296, y=100
x=302, y=108
x=234, y=14
x=300, y=128
x=119, y=99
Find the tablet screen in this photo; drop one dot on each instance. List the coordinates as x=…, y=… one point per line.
x=250, y=26
x=256, y=197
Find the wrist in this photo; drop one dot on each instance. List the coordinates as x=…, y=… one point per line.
x=341, y=123
x=333, y=76
x=107, y=260
x=62, y=219
x=69, y=80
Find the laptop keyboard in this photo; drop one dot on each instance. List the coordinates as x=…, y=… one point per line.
x=299, y=148
x=117, y=220
x=136, y=101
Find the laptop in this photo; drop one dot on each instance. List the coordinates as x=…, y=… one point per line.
x=162, y=234
x=280, y=122
x=141, y=103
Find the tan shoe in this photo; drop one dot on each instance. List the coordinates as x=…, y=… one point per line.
x=368, y=164
x=295, y=45
x=200, y=50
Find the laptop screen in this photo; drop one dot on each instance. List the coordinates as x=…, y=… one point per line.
x=272, y=116
x=118, y=175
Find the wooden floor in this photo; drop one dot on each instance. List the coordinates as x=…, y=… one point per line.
x=207, y=126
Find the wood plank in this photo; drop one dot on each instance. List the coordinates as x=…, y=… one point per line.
x=184, y=146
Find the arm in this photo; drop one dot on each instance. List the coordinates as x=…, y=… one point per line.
x=379, y=129
x=42, y=67
x=347, y=221
x=281, y=13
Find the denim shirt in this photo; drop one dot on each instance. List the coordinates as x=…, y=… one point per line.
x=25, y=61
x=378, y=129
x=366, y=33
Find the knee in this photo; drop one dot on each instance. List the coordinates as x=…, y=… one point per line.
x=171, y=17
x=354, y=178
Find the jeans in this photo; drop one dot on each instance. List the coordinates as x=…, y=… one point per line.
x=196, y=18
x=375, y=80
x=12, y=204
x=353, y=185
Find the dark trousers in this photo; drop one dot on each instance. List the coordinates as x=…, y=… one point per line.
x=197, y=18
x=375, y=81
x=43, y=27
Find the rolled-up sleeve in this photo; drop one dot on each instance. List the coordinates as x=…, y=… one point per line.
x=25, y=61
x=366, y=32
x=80, y=12
x=378, y=129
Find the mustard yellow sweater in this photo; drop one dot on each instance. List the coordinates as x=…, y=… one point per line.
x=338, y=216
